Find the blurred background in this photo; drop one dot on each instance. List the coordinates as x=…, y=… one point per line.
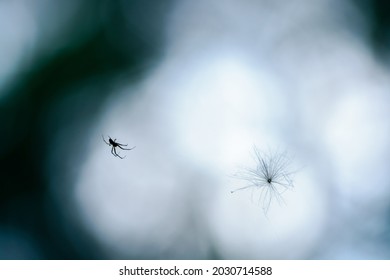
x=194, y=85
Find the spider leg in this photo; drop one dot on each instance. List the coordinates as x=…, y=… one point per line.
x=113, y=151
x=119, y=145
x=116, y=154
x=105, y=141
x=121, y=157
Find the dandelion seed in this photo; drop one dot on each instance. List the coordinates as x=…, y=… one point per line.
x=271, y=176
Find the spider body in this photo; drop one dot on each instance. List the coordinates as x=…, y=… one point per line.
x=113, y=144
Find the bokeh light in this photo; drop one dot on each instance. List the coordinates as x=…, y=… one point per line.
x=195, y=86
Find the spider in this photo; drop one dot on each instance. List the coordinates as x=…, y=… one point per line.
x=115, y=144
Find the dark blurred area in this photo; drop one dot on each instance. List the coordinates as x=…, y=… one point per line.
x=377, y=13
x=102, y=42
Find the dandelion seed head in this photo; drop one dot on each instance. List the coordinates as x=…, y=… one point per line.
x=272, y=176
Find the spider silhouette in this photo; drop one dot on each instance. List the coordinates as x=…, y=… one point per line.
x=114, y=145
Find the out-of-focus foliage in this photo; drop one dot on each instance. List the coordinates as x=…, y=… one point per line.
x=94, y=45
x=69, y=56
x=378, y=14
